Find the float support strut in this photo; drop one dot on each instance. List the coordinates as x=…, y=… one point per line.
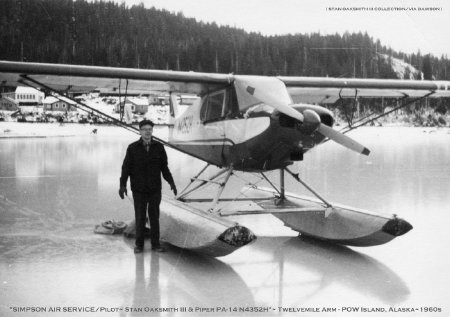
x=297, y=178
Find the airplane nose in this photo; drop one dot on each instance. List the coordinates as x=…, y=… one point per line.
x=397, y=227
x=311, y=121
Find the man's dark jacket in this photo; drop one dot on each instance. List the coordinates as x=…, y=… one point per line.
x=145, y=168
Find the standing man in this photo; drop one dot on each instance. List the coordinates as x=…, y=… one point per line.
x=144, y=162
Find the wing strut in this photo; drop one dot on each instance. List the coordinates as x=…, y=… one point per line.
x=352, y=127
x=349, y=114
x=83, y=106
x=122, y=106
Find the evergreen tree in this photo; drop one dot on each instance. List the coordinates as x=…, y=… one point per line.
x=106, y=33
x=426, y=68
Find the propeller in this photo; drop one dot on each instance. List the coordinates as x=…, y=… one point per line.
x=342, y=139
x=272, y=91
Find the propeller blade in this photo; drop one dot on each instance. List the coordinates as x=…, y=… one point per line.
x=289, y=111
x=342, y=139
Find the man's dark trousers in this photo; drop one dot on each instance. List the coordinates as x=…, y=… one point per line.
x=141, y=201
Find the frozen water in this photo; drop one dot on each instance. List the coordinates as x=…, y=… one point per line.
x=54, y=190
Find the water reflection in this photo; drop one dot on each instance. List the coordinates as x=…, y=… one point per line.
x=204, y=281
x=75, y=177
x=179, y=278
x=146, y=290
x=332, y=263
x=295, y=271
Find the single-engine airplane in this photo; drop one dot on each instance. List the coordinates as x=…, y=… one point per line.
x=243, y=123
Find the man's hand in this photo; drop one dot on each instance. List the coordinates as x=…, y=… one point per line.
x=122, y=191
x=173, y=188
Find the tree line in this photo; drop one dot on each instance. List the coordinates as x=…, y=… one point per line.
x=106, y=33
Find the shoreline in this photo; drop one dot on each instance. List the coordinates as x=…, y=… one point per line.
x=20, y=130
x=9, y=130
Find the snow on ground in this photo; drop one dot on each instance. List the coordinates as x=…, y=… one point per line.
x=33, y=129
x=9, y=127
x=402, y=68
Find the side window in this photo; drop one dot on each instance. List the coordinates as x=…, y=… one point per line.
x=231, y=109
x=215, y=106
x=212, y=106
x=204, y=108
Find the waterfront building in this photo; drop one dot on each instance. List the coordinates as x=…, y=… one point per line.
x=27, y=99
x=54, y=104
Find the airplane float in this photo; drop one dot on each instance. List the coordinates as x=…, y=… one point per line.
x=250, y=124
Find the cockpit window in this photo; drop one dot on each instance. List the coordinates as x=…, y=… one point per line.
x=220, y=105
x=215, y=106
x=212, y=106
x=231, y=109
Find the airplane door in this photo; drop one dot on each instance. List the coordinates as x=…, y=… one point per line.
x=211, y=114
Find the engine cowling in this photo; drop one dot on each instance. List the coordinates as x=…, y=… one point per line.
x=313, y=117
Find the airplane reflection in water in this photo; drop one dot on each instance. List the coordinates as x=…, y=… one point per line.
x=300, y=269
x=329, y=264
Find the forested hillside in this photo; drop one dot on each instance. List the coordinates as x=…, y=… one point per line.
x=107, y=33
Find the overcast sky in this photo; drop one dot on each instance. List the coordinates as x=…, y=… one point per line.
x=403, y=27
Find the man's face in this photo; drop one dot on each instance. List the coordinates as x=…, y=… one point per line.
x=146, y=132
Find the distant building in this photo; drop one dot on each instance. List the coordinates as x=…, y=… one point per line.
x=6, y=103
x=26, y=99
x=153, y=100
x=138, y=105
x=63, y=104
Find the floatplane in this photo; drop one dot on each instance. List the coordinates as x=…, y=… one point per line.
x=250, y=124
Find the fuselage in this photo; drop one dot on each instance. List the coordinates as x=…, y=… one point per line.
x=258, y=138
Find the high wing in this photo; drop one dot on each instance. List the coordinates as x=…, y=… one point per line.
x=78, y=78
x=328, y=90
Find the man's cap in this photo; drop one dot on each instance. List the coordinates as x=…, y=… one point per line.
x=146, y=122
